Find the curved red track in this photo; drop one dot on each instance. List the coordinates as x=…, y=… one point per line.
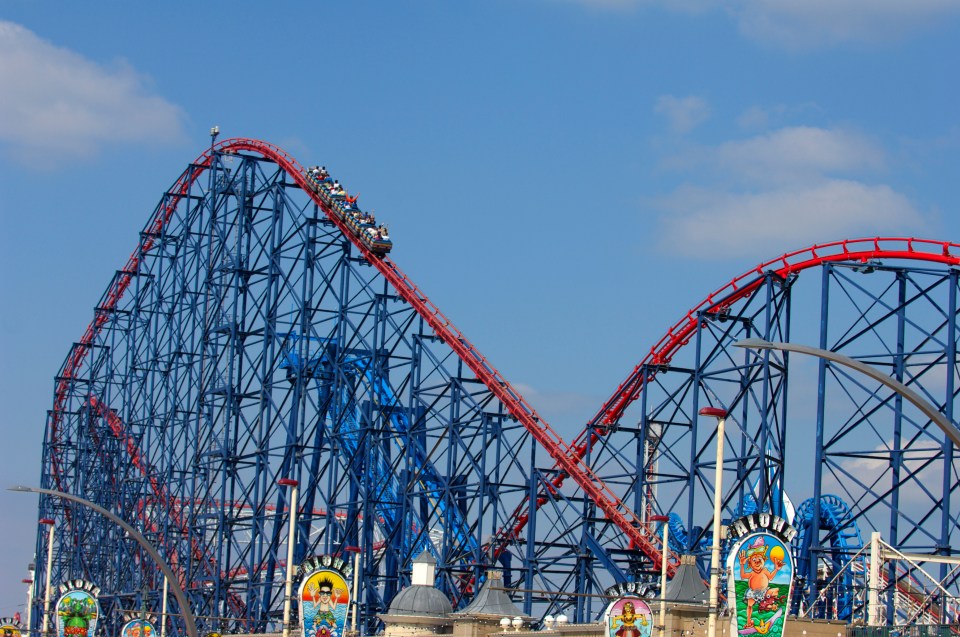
x=565, y=457
x=862, y=250
x=568, y=458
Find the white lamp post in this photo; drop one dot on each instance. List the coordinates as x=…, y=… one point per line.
x=664, y=561
x=46, y=593
x=288, y=591
x=721, y=416
x=356, y=550
x=163, y=608
x=29, y=583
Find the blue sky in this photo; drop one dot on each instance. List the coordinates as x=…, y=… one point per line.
x=563, y=178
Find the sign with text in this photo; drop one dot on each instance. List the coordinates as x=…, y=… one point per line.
x=324, y=596
x=628, y=617
x=77, y=609
x=760, y=568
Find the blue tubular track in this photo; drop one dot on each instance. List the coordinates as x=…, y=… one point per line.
x=349, y=413
x=844, y=540
x=428, y=476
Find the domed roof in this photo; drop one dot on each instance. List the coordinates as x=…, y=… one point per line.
x=422, y=601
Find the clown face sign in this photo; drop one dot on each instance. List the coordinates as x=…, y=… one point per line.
x=629, y=617
x=324, y=596
x=761, y=573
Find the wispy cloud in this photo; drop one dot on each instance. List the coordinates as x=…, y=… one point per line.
x=809, y=24
x=778, y=191
x=683, y=113
x=714, y=224
x=790, y=154
x=56, y=103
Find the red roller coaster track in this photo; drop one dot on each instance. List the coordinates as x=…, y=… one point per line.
x=568, y=459
x=862, y=250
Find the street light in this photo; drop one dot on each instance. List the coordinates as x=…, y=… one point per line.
x=46, y=594
x=721, y=416
x=29, y=583
x=188, y=619
x=356, y=584
x=664, y=556
x=916, y=399
x=293, y=484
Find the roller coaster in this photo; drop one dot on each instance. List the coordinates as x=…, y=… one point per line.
x=259, y=332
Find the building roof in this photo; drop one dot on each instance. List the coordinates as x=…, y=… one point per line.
x=425, y=558
x=492, y=600
x=687, y=584
x=421, y=601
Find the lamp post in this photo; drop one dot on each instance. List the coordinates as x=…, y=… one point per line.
x=191, y=624
x=356, y=585
x=29, y=583
x=163, y=608
x=721, y=416
x=664, y=557
x=291, y=537
x=46, y=593
x=916, y=399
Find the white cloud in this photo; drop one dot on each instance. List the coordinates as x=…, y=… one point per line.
x=58, y=103
x=810, y=24
x=797, y=186
x=683, y=113
x=558, y=407
x=798, y=152
x=918, y=494
x=754, y=118
x=758, y=118
x=807, y=24
x=713, y=224
x=791, y=154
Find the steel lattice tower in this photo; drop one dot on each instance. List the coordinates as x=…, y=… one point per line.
x=251, y=338
x=856, y=453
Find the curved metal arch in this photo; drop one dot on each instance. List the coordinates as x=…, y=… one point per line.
x=918, y=401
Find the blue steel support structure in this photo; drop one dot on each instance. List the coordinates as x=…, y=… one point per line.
x=858, y=456
x=249, y=338
x=190, y=396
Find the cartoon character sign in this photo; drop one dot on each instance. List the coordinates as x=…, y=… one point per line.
x=628, y=617
x=761, y=570
x=324, y=600
x=10, y=626
x=138, y=628
x=77, y=610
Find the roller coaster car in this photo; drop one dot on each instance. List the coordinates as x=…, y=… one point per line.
x=349, y=213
